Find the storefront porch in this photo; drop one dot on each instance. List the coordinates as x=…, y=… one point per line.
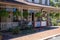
x=30, y=17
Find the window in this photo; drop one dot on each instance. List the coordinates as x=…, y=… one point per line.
x=43, y=1
x=36, y=1
x=40, y=1
x=46, y=2
x=29, y=0
x=33, y=0
x=31, y=11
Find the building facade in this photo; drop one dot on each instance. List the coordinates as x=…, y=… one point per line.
x=28, y=9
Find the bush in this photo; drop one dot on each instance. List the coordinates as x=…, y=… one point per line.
x=10, y=30
x=16, y=30
x=0, y=33
x=25, y=27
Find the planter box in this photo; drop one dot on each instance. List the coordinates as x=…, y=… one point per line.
x=37, y=24
x=43, y=23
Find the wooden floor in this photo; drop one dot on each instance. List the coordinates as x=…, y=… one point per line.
x=39, y=35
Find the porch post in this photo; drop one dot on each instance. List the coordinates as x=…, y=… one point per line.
x=21, y=16
x=48, y=19
x=28, y=15
x=0, y=22
x=41, y=16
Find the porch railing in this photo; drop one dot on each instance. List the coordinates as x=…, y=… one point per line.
x=7, y=25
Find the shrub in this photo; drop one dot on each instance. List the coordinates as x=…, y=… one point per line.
x=0, y=33
x=10, y=30
x=16, y=30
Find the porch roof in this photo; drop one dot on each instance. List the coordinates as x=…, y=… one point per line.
x=18, y=2
x=43, y=6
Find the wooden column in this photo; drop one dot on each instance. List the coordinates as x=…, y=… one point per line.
x=48, y=19
x=21, y=16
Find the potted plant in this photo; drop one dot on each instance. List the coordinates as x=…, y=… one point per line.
x=17, y=13
x=4, y=15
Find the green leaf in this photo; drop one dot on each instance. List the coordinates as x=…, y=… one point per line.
x=17, y=13
x=4, y=13
x=25, y=14
x=38, y=14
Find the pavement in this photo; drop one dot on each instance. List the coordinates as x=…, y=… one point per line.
x=55, y=38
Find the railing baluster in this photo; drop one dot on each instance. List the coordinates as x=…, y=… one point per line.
x=5, y=26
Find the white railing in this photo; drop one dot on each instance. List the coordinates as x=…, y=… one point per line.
x=7, y=25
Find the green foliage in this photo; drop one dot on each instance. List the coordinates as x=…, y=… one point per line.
x=0, y=33
x=25, y=14
x=57, y=4
x=16, y=30
x=38, y=14
x=4, y=13
x=10, y=30
x=51, y=3
x=17, y=13
x=56, y=15
x=53, y=14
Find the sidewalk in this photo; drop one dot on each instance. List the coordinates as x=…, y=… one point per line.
x=39, y=35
